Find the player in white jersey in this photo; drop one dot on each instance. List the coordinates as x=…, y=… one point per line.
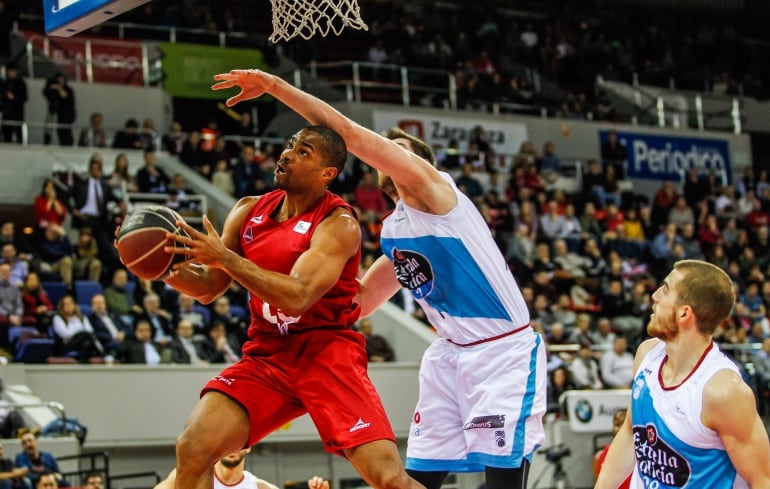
x=693, y=421
x=483, y=382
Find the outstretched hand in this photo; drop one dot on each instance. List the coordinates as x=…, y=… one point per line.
x=253, y=83
x=317, y=483
x=201, y=248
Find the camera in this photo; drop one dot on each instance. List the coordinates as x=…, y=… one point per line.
x=556, y=453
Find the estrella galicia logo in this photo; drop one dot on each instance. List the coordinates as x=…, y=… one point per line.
x=584, y=412
x=413, y=271
x=494, y=421
x=657, y=461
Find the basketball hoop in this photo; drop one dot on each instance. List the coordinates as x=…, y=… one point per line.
x=305, y=18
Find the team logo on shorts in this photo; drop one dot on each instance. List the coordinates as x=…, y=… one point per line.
x=500, y=438
x=494, y=421
x=414, y=272
x=584, y=411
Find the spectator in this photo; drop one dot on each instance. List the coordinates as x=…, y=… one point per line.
x=140, y=348
x=681, y=213
x=617, y=422
x=148, y=135
x=228, y=347
x=128, y=137
x=121, y=181
x=191, y=153
x=11, y=477
x=38, y=462
x=19, y=267
x=94, y=135
x=469, y=184
x=585, y=370
x=158, y=318
x=13, y=96
x=74, y=332
x=38, y=308
x=48, y=208
x=222, y=177
x=189, y=348
x=119, y=299
x=151, y=178
x=88, y=205
x=55, y=252
x=186, y=309
x=108, y=327
x=560, y=381
x=61, y=110
x=234, y=325
x=614, y=154
x=23, y=249
x=550, y=164
x=11, y=307
x=174, y=139
x=377, y=347
x=552, y=223
x=617, y=365
x=662, y=202
x=87, y=265
x=247, y=175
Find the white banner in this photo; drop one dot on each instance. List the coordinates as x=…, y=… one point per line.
x=437, y=131
x=591, y=411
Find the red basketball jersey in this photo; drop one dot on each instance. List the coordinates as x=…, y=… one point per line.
x=276, y=246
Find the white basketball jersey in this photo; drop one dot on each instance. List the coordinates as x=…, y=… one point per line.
x=454, y=270
x=249, y=481
x=673, y=448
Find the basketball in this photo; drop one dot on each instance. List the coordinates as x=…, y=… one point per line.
x=142, y=238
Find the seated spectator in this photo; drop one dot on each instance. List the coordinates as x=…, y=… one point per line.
x=368, y=196
x=151, y=178
x=11, y=477
x=128, y=137
x=23, y=249
x=119, y=299
x=87, y=265
x=689, y=240
x=234, y=325
x=11, y=306
x=228, y=346
x=603, y=336
x=563, y=313
x=38, y=462
x=222, y=177
x=377, y=347
x=74, y=333
x=107, y=326
x=469, y=184
x=617, y=365
x=38, y=308
x=550, y=164
x=192, y=155
x=158, y=318
x=120, y=180
x=247, y=174
x=55, y=252
x=681, y=213
x=140, y=348
x=189, y=348
x=753, y=301
x=581, y=334
x=559, y=382
x=174, y=139
x=48, y=208
x=186, y=310
x=552, y=224
x=591, y=228
x=94, y=135
x=585, y=370
x=521, y=253
x=19, y=267
x=179, y=194
x=617, y=306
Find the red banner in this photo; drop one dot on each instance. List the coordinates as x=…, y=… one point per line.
x=112, y=60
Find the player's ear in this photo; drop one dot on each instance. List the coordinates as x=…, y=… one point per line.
x=329, y=173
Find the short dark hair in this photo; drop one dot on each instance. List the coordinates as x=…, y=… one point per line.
x=334, y=148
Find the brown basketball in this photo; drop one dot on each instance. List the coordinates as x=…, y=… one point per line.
x=142, y=239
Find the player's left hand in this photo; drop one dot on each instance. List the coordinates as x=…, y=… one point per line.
x=200, y=248
x=253, y=83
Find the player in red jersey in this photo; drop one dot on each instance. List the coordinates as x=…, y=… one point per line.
x=297, y=251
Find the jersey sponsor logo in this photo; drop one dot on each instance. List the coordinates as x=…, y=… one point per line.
x=417, y=417
x=658, y=461
x=360, y=425
x=493, y=421
x=248, y=236
x=224, y=380
x=256, y=220
x=302, y=227
x=281, y=320
x=414, y=272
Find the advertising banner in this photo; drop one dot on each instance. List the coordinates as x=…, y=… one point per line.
x=591, y=411
x=657, y=157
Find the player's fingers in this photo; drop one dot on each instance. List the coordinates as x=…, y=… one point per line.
x=235, y=99
x=223, y=84
x=210, y=229
x=191, y=231
x=178, y=238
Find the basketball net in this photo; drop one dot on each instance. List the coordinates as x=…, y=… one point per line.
x=305, y=18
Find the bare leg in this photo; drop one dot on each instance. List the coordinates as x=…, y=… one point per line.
x=380, y=465
x=217, y=426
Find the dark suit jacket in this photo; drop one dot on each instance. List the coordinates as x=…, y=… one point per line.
x=79, y=195
x=205, y=349
x=168, y=330
x=101, y=331
x=132, y=351
x=152, y=183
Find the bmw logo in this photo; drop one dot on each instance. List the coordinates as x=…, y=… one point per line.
x=583, y=411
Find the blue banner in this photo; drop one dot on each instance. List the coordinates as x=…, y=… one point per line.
x=669, y=157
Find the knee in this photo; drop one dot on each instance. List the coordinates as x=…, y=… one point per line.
x=193, y=451
x=391, y=477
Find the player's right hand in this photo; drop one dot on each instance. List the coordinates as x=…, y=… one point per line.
x=253, y=83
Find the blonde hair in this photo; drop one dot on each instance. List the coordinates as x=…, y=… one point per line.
x=708, y=290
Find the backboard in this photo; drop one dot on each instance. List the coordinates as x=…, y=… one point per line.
x=66, y=18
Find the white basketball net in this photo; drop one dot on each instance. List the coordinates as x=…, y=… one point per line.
x=305, y=18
